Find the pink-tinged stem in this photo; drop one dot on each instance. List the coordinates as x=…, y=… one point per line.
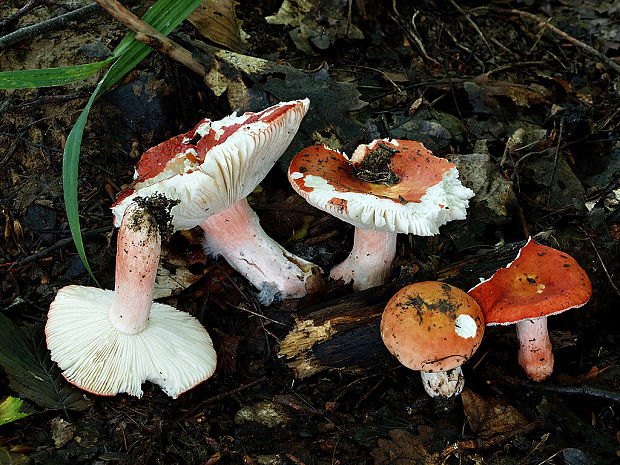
x=236, y=235
x=369, y=262
x=535, y=355
x=137, y=255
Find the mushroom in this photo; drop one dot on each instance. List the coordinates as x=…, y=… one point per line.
x=208, y=172
x=540, y=282
x=434, y=328
x=109, y=342
x=387, y=187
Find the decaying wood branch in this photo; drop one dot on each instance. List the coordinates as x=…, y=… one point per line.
x=343, y=333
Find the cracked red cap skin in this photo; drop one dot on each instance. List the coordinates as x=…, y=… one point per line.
x=540, y=282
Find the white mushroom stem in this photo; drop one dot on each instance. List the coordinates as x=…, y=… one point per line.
x=236, y=235
x=370, y=260
x=443, y=383
x=137, y=255
x=535, y=355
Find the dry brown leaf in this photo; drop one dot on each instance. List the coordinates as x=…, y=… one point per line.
x=403, y=448
x=216, y=20
x=489, y=417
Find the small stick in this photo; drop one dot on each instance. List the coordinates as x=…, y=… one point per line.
x=29, y=32
x=487, y=443
x=605, y=268
x=22, y=11
x=221, y=396
x=474, y=25
x=555, y=160
x=582, y=390
x=590, y=50
x=152, y=37
x=55, y=246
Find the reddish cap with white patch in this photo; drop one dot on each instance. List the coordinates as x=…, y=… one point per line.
x=216, y=164
x=426, y=194
x=540, y=282
x=432, y=326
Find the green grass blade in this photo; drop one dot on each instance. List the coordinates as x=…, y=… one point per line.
x=164, y=16
x=70, y=163
x=50, y=76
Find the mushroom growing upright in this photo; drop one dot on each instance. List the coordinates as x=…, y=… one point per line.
x=208, y=172
x=387, y=187
x=109, y=342
x=540, y=282
x=434, y=328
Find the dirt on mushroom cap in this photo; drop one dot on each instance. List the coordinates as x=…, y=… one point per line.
x=420, y=326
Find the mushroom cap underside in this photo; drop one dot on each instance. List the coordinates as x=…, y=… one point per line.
x=174, y=351
x=216, y=164
x=432, y=326
x=540, y=282
x=427, y=193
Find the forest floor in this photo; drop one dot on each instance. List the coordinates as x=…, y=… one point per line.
x=531, y=117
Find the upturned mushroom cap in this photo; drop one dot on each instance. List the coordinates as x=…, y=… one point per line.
x=214, y=165
x=427, y=193
x=540, y=282
x=173, y=351
x=432, y=326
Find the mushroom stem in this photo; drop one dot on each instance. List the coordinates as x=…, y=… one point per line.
x=137, y=255
x=535, y=355
x=369, y=262
x=443, y=383
x=236, y=235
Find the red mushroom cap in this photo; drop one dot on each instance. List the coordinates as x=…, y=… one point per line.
x=540, y=282
x=426, y=194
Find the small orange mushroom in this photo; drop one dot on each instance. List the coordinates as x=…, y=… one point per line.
x=434, y=328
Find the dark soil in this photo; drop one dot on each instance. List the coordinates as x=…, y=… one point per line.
x=531, y=120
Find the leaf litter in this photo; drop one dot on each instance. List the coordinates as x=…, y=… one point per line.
x=544, y=110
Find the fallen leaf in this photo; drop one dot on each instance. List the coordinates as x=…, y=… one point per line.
x=316, y=23
x=170, y=283
x=31, y=372
x=8, y=457
x=62, y=432
x=216, y=20
x=521, y=95
x=489, y=417
x=11, y=409
x=403, y=448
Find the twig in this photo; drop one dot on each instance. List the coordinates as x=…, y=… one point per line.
x=57, y=245
x=605, y=268
x=221, y=396
x=34, y=144
x=22, y=11
x=581, y=390
x=412, y=36
x=152, y=37
x=590, y=50
x=487, y=443
x=474, y=25
x=555, y=160
x=29, y=32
